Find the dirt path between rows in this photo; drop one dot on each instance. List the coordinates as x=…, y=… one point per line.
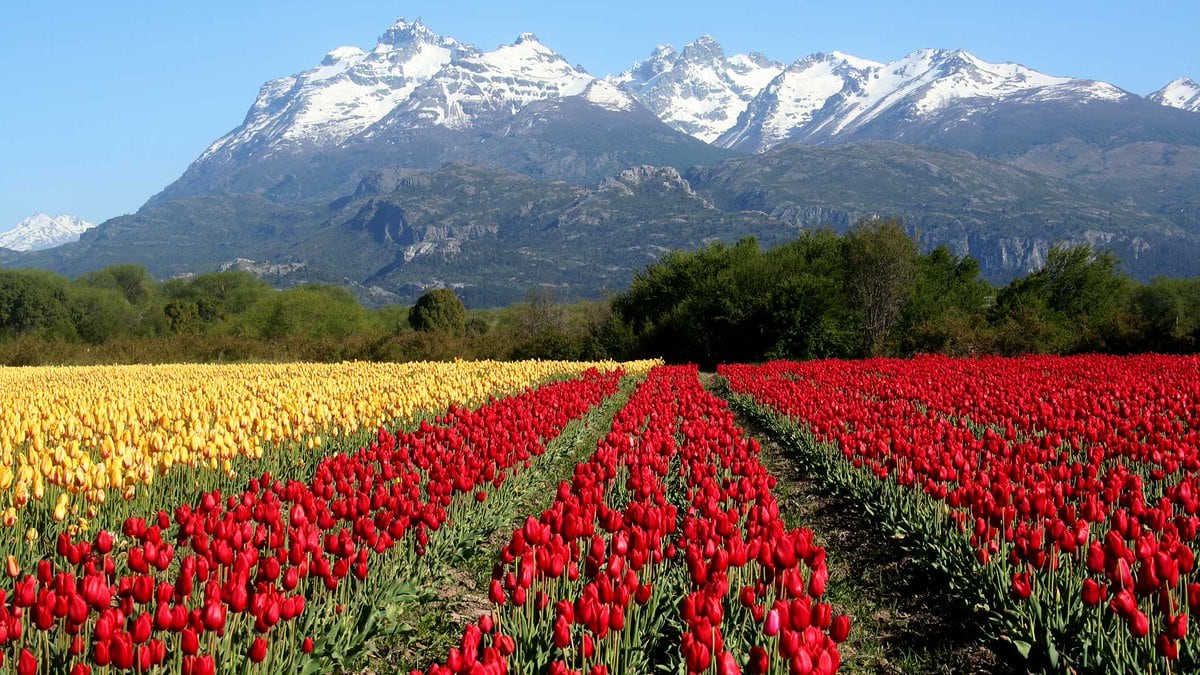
x=902, y=618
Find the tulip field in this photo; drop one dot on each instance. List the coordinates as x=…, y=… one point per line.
x=1059, y=495
x=585, y=518
x=665, y=551
x=70, y=438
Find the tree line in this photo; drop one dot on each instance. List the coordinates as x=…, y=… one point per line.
x=868, y=292
x=120, y=314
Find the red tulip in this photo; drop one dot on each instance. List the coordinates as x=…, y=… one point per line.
x=771, y=626
x=258, y=650
x=1091, y=593
x=26, y=664
x=1139, y=626
x=1022, y=586
x=840, y=628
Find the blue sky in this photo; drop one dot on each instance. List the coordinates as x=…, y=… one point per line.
x=104, y=103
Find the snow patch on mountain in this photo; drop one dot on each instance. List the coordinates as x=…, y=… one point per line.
x=698, y=90
x=609, y=97
x=826, y=95
x=791, y=99
x=40, y=231
x=1182, y=93
x=482, y=85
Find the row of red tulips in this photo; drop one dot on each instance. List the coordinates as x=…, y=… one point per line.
x=665, y=549
x=260, y=580
x=1072, y=480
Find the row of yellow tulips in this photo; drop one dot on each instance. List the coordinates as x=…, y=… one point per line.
x=98, y=431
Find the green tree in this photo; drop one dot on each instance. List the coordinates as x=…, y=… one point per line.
x=685, y=306
x=131, y=281
x=34, y=301
x=100, y=314
x=1165, y=315
x=219, y=295
x=314, y=311
x=183, y=316
x=439, y=310
x=881, y=265
x=947, y=310
x=1074, y=303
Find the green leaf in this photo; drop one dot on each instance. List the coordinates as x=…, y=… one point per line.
x=1023, y=648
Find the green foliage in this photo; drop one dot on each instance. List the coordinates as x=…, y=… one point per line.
x=947, y=309
x=391, y=319
x=133, y=282
x=819, y=295
x=881, y=264
x=34, y=301
x=1074, y=303
x=439, y=310
x=870, y=292
x=99, y=314
x=1167, y=312
x=220, y=294
x=182, y=316
x=315, y=311
x=740, y=303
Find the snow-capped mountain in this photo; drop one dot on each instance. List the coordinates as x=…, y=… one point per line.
x=482, y=86
x=418, y=100
x=791, y=99
x=698, y=90
x=40, y=231
x=1182, y=93
x=825, y=96
x=348, y=92
x=412, y=79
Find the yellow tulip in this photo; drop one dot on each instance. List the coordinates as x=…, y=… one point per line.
x=87, y=430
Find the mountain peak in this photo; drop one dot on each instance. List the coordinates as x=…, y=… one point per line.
x=342, y=54
x=40, y=231
x=834, y=94
x=479, y=86
x=698, y=90
x=404, y=32
x=855, y=61
x=1182, y=93
x=703, y=48
x=662, y=51
x=938, y=56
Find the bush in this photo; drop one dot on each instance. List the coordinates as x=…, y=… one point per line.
x=439, y=310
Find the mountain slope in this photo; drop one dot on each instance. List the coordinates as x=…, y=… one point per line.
x=1182, y=93
x=40, y=231
x=183, y=236
x=1004, y=216
x=490, y=233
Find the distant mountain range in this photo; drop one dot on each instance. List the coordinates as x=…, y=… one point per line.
x=428, y=161
x=40, y=231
